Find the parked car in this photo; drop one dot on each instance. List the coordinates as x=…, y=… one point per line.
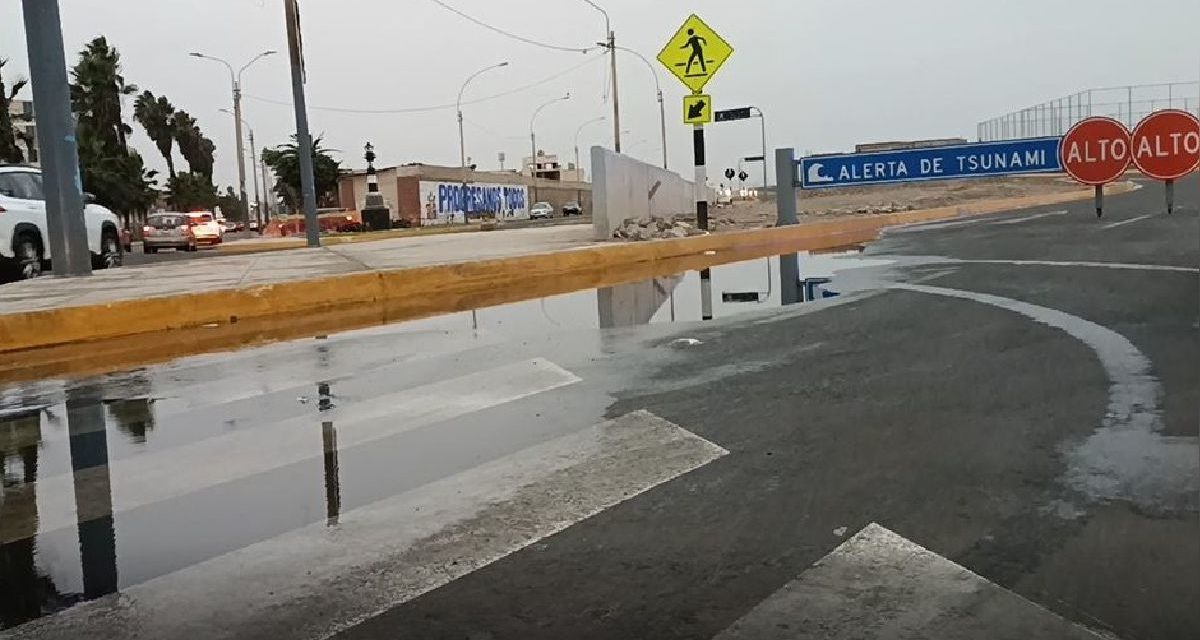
x=229, y=226
x=24, y=238
x=253, y=225
x=171, y=230
x=541, y=210
x=572, y=209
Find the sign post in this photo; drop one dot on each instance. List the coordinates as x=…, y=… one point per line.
x=694, y=55
x=1166, y=147
x=1095, y=152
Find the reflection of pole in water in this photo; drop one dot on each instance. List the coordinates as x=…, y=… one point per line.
x=93, y=491
x=22, y=590
x=333, y=491
x=706, y=295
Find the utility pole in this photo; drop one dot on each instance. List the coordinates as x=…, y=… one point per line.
x=612, y=52
x=253, y=172
x=304, y=142
x=56, y=136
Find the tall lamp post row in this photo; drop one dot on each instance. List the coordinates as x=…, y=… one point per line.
x=235, y=79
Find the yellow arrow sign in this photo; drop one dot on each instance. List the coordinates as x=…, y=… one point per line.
x=697, y=108
x=695, y=53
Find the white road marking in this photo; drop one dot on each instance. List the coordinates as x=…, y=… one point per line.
x=1102, y=265
x=929, y=226
x=146, y=479
x=1035, y=216
x=1127, y=457
x=1114, y=225
x=316, y=581
x=878, y=584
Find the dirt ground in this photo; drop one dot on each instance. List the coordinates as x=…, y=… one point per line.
x=850, y=201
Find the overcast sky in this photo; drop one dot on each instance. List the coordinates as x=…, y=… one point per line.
x=827, y=74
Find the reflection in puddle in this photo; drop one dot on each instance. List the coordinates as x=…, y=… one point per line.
x=128, y=477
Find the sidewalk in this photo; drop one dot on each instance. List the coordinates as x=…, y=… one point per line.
x=264, y=268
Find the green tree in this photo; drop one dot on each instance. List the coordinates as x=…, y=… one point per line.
x=188, y=191
x=97, y=91
x=197, y=149
x=284, y=160
x=9, y=134
x=231, y=205
x=157, y=117
x=111, y=171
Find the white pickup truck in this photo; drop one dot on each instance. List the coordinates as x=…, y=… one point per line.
x=24, y=239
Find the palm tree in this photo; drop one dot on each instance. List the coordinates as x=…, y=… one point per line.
x=97, y=91
x=284, y=161
x=157, y=117
x=197, y=149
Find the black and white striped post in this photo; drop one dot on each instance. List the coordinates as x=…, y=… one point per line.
x=701, y=179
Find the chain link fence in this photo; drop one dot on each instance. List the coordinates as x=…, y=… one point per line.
x=1127, y=104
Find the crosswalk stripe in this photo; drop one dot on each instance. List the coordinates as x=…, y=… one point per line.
x=318, y=580
x=145, y=479
x=1121, y=223
x=878, y=584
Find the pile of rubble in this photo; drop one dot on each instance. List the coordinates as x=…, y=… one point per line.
x=638, y=229
x=890, y=207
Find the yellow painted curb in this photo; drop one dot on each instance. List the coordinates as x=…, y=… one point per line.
x=421, y=291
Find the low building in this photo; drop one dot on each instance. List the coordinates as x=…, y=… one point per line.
x=21, y=112
x=548, y=167
x=423, y=194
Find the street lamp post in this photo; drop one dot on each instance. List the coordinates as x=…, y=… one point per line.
x=662, y=113
x=462, y=146
x=577, y=132
x=235, y=79
x=612, y=51
x=762, y=126
x=533, y=142
x=253, y=154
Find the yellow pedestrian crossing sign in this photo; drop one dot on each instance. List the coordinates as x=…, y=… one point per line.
x=697, y=108
x=695, y=53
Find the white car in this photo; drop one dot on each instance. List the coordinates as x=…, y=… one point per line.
x=541, y=210
x=24, y=239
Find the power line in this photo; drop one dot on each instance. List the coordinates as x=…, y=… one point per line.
x=507, y=34
x=438, y=107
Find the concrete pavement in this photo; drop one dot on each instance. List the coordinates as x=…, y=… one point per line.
x=990, y=434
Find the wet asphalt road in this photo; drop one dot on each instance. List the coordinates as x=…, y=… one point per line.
x=1033, y=421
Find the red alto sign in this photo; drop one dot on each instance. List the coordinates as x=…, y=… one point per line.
x=1096, y=150
x=1166, y=144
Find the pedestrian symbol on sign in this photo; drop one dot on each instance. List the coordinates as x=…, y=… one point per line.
x=697, y=56
x=695, y=110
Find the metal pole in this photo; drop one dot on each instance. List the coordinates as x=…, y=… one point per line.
x=257, y=197
x=785, y=214
x=1099, y=200
x=56, y=137
x=532, y=163
x=241, y=151
x=304, y=142
x=762, y=129
x=1129, y=93
x=1170, y=185
x=662, y=123
x=462, y=162
x=612, y=50
x=266, y=201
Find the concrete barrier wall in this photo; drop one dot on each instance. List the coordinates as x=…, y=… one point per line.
x=626, y=188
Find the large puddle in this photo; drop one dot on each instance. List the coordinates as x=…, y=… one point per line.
x=115, y=479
